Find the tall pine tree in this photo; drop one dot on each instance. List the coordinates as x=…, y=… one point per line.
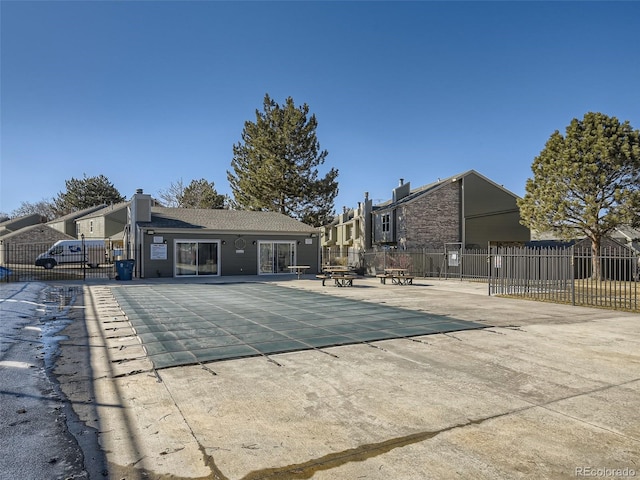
x=275, y=166
x=586, y=182
x=86, y=192
x=201, y=194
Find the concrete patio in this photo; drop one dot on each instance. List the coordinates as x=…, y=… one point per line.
x=550, y=391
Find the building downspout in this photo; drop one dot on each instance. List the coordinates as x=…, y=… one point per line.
x=463, y=222
x=141, y=253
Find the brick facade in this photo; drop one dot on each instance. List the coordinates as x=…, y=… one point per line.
x=466, y=208
x=430, y=221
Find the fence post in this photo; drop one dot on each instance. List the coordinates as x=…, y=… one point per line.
x=573, y=277
x=84, y=258
x=490, y=276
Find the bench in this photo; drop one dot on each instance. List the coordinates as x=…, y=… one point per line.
x=339, y=279
x=395, y=279
x=402, y=279
x=343, y=280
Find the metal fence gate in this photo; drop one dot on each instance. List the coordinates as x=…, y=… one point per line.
x=17, y=264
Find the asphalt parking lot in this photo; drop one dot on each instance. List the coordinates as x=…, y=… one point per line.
x=548, y=391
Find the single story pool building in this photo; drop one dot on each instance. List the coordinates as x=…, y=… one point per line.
x=191, y=242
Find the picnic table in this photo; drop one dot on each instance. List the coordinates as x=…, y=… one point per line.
x=341, y=275
x=335, y=269
x=398, y=276
x=298, y=269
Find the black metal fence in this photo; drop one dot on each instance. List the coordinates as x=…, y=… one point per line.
x=568, y=275
x=18, y=264
x=564, y=275
x=447, y=263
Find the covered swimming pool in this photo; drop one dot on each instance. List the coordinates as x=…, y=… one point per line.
x=182, y=324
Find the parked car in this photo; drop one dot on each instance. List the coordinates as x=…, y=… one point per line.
x=91, y=252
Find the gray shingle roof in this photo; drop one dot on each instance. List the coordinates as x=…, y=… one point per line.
x=225, y=220
x=77, y=214
x=104, y=210
x=417, y=192
x=35, y=218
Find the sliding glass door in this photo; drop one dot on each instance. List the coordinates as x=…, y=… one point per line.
x=275, y=257
x=197, y=257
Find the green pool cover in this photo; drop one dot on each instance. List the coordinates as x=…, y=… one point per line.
x=190, y=324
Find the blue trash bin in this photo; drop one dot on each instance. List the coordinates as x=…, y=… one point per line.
x=125, y=269
x=5, y=272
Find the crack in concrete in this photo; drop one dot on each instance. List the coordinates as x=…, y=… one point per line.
x=305, y=470
x=358, y=454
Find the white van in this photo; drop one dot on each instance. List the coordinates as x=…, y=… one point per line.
x=70, y=251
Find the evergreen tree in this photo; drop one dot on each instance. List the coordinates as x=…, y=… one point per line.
x=275, y=166
x=586, y=182
x=86, y=192
x=201, y=194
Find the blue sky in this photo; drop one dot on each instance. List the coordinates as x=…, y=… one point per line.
x=151, y=92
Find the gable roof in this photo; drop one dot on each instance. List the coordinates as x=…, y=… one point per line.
x=225, y=220
x=37, y=233
x=104, y=210
x=418, y=192
x=17, y=223
x=77, y=214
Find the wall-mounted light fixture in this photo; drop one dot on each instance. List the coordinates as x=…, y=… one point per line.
x=224, y=242
x=151, y=232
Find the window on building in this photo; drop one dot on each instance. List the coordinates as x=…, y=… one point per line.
x=386, y=223
x=196, y=257
x=276, y=256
